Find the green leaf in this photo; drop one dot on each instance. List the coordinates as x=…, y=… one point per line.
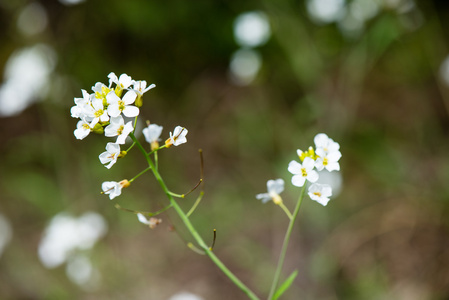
x=285, y=285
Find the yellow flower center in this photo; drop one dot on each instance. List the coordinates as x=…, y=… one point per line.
x=325, y=161
x=121, y=105
x=317, y=194
x=120, y=130
x=99, y=113
x=303, y=172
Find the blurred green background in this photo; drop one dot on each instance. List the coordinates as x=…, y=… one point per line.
x=373, y=75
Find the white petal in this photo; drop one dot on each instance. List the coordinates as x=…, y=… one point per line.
x=333, y=166
x=129, y=97
x=312, y=176
x=298, y=180
x=111, y=97
x=275, y=186
x=131, y=111
x=142, y=219
x=113, y=110
x=264, y=197
x=294, y=167
x=308, y=163
x=321, y=140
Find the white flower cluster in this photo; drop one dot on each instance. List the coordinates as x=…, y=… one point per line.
x=103, y=111
x=325, y=156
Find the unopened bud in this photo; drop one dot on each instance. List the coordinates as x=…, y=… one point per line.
x=124, y=183
x=276, y=199
x=98, y=128
x=139, y=101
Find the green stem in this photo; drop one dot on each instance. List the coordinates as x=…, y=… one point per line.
x=192, y=229
x=141, y=173
x=285, y=209
x=277, y=274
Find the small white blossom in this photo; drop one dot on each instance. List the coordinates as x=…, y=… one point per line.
x=78, y=111
x=328, y=153
x=123, y=82
x=320, y=193
x=152, y=133
x=303, y=171
x=326, y=144
x=97, y=112
x=152, y=222
x=327, y=160
x=110, y=155
x=140, y=87
x=178, y=137
x=113, y=188
x=117, y=105
x=100, y=91
x=274, y=188
x=82, y=129
x=118, y=128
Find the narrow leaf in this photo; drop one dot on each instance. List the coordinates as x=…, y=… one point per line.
x=285, y=285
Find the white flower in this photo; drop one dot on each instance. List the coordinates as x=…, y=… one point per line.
x=117, y=105
x=302, y=171
x=140, y=87
x=328, y=153
x=326, y=144
x=320, y=193
x=97, y=112
x=152, y=133
x=178, y=137
x=113, y=188
x=328, y=160
x=118, y=128
x=82, y=129
x=110, y=155
x=101, y=90
x=123, y=82
x=78, y=111
x=274, y=188
x=152, y=222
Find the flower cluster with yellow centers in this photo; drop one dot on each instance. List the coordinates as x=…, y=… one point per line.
x=107, y=111
x=325, y=155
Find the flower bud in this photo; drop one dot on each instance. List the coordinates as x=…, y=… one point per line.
x=124, y=183
x=139, y=101
x=98, y=128
x=122, y=154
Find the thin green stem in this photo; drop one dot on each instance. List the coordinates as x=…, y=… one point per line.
x=130, y=147
x=198, y=200
x=192, y=229
x=285, y=209
x=141, y=173
x=277, y=274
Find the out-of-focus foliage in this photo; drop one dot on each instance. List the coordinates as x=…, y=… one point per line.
x=371, y=75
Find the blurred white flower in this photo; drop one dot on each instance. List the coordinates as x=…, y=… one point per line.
x=26, y=78
x=32, y=19
x=320, y=193
x=66, y=234
x=5, y=233
x=252, y=29
x=326, y=11
x=274, y=188
x=185, y=296
x=244, y=66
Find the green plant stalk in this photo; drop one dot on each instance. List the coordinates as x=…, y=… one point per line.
x=191, y=228
x=277, y=274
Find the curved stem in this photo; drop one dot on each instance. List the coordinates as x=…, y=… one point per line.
x=277, y=274
x=192, y=229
